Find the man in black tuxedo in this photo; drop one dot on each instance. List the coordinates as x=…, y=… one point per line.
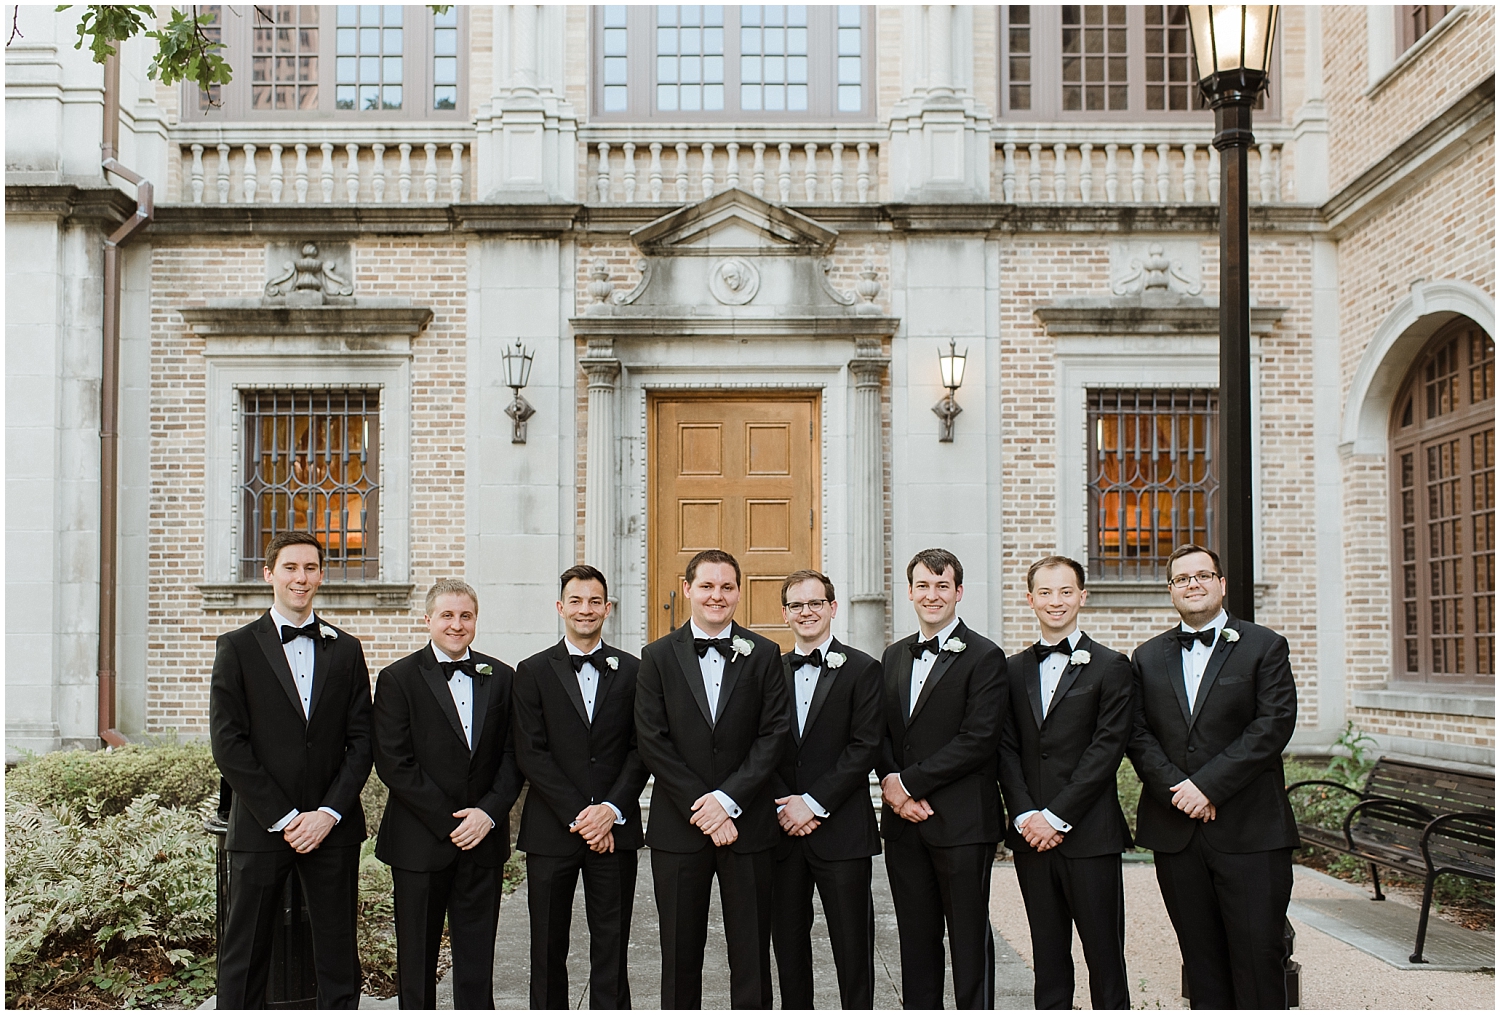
x=822, y=786
x=944, y=703
x=711, y=716
x=289, y=722
x=1215, y=705
x=443, y=745
x=1068, y=724
x=575, y=742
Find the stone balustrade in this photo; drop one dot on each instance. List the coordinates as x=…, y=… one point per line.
x=323, y=164
x=1129, y=164
x=674, y=165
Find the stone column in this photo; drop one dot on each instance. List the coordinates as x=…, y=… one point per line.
x=603, y=371
x=866, y=500
x=940, y=147
x=526, y=135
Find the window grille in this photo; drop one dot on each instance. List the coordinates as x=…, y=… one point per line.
x=370, y=65
x=616, y=59
x=1171, y=81
x=1416, y=20
x=1095, y=64
x=851, y=59
x=214, y=33
x=773, y=58
x=445, y=59
x=690, y=57
x=284, y=60
x=1019, y=56
x=1152, y=478
x=312, y=463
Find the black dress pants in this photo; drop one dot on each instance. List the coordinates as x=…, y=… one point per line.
x=469, y=896
x=1087, y=892
x=683, y=882
x=608, y=899
x=931, y=886
x=1228, y=910
x=330, y=884
x=848, y=906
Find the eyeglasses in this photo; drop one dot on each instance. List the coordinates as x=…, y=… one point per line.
x=1182, y=581
x=815, y=605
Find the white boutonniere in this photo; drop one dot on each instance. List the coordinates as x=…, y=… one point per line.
x=742, y=647
x=954, y=645
x=1230, y=635
x=836, y=659
x=327, y=632
x=484, y=669
x=613, y=662
x=1080, y=657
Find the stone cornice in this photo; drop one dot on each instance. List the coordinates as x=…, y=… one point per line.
x=1131, y=315
x=639, y=327
x=105, y=207
x=366, y=320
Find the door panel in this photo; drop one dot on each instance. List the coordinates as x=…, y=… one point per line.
x=737, y=473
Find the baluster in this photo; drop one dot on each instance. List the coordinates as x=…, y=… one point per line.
x=299, y=174
x=1138, y=172
x=456, y=173
x=603, y=180
x=325, y=180
x=377, y=178
x=403, y=173
x=1086, y=171
x=1008, y=175
x=1267, y=190
x=1034, y=180
x=1163, y=172
x=708, y=169
x=1189, y=172
x=656, y=171
x=248, y=181
x=1059, y=173
x=862, y=173
x=351, y=172
x=682, y=170
x=810, y=171
x=732, y=173
x=430, y=172
x=223, y=181
x=758, y=170
x=1213, y=174
x=197, y=174
x=277, y=180
x=784, y=171
x=629, y=149
x=1111, y=173
x=836, y=174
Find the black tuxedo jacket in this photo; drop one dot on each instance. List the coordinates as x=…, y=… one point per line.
x=1067, y=761
x=832, y=757
x=422, y=755
x=945, y=750
x=571, y=762
x=1229, y=744
x=692, y=753
x=273, y=757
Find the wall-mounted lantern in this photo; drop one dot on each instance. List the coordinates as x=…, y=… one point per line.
x=951, y=367
x=517, y=360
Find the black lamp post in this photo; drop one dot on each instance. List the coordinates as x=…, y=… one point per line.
x=1232, y=43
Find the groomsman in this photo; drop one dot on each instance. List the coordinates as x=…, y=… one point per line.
x=575, y=742
x=1215, y=705
x=289, y=723
x=944, y=703
x=1069, y=721
x=443, y=746
x=822, y=786
x=711, y=716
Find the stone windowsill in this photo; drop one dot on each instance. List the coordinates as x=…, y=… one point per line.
x=1143, y=594
x=1427, y=699
x=333, y=595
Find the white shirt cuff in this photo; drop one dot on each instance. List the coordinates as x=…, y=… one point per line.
x=1055, y=821
x=814, y=806
x=902, y=785
x=1022, y=818
x=337, y=817
x=284, y=821
x=730, y=807
x=619, y=816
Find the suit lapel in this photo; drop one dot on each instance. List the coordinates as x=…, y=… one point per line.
x=562, y=666
x=1031, y=673
x=1069, y=674
x=270, y=644
x=1222, y=648
x=790, y=675
x=432, y=674
x=941, y=666
x=826, y=677
x=687, y=661
x=606, y=681
x=1177, y=677
x=322, y=658
x=481, y=705
x=732, y=669
x=903, y=677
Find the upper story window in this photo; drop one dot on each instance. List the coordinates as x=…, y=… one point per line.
x=1099, y=62
x=1415, y=20
x=351, y=61
x=708, y=62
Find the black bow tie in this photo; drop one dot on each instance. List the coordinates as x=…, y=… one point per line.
x=460, y=666
x=596, y=657
x=813, y=658
x=1043, y=650
x=702, y=645
x=309, y=630
x=1186, y=638
x=921, y=648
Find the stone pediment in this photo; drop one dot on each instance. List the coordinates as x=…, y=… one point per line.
x=733, y=223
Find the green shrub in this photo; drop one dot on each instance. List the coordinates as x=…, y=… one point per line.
x=377, y=922
x=179, y=774
x=1128, y=784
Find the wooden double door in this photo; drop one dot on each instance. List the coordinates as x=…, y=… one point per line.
x=738, y=473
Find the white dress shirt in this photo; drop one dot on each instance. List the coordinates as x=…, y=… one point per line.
x=920, y=668
x=1051, y=671
x=588, y=686
x=1195, y=659
x=299, y=656
x=806, y=681
x=461, y=686
x=711, y=668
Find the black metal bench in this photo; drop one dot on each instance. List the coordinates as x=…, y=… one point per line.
x=1419, y=819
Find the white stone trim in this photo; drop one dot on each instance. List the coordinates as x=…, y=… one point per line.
x=1392, y=350
x=1431, y=699
x=1384, y=64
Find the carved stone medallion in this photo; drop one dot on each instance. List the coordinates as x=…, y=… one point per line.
x=734, y=281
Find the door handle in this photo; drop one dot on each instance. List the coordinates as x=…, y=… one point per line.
x=671, y=606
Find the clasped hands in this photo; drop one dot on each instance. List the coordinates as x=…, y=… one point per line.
x=902, y=802
x=1039, y=833
x=713, y=820
x=1189, y=799
x=596, y=823
x=307, y=830
x=795, y=816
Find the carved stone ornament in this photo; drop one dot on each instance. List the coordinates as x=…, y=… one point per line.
x=734, y=281
x=307, y=281
x=1155, y=274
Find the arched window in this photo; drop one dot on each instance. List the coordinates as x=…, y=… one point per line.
x=1443, y=511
